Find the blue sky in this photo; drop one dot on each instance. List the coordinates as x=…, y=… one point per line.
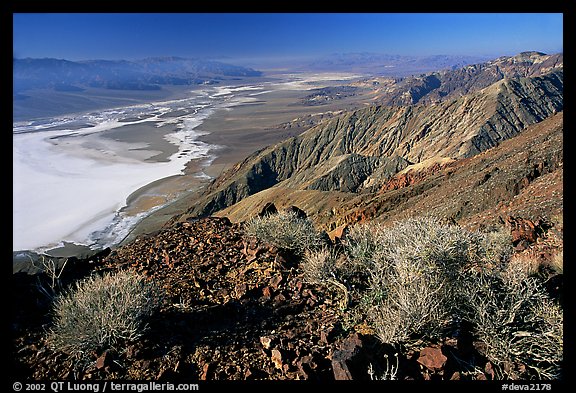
x=281, y=35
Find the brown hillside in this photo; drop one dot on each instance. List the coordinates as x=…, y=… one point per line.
x=522, y=176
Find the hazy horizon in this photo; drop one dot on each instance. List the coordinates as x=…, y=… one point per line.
x=256, y=39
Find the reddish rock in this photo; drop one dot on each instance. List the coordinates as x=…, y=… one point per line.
x=455, y=376
x=277, y=358
x=275, y=281
x=205, y=371
x=338, y=233
x=522, y=229
x=348, y=349
x=432, y=358
x=266, y=292
x=103, y=360
x=412, y=177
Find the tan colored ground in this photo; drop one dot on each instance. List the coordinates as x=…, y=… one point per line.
x=240, y=131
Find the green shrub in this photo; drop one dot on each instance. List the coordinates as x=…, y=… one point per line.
x=102, y=312
x=286, y=231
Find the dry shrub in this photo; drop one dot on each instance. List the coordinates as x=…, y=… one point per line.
x=320, y=266
x=520, y=267
x=412, y=266
x=516, y=320
x=557, y=262
x=286, y=231
x=424, y=276
x=102, y=312
x=325, y=266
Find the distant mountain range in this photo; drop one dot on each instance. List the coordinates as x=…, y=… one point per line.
x=388, y=64
x=146, y=74
x=151, y=73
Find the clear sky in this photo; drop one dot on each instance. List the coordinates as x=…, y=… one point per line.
x=281, y=35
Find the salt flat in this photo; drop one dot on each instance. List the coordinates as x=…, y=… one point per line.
x=88, y=178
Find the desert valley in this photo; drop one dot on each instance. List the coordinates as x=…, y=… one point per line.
x=354, y=218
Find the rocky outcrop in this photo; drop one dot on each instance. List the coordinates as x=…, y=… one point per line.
x=522, y=176
x=234, y=308
x=412, y=176
x=346, y=173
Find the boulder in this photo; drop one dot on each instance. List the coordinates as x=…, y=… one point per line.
x=338, y=233
x=347, y=350
x=432, y=358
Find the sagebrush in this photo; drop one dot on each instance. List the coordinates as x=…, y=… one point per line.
x=412, y=270
x=103, y=312
x=514, y=317
x=285, y=230
x=420, y=278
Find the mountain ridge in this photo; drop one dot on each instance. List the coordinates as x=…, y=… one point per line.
x=396, y=137
x=438, y=86
x=522, y=176
x=487, y=166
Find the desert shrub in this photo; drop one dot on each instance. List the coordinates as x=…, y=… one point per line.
x=286, y=231
x=102, y=312
x=515, y=319
x=414, y=268
x=362, y=243
x=494, y=248
x=558, y=262
x=325, y=266
x=518, y=269
x=424, y=277
x=320, y=266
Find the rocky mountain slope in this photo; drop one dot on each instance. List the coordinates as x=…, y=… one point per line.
x=523, y=176
x=443, y=83
x=447, y=84
x=235, y=308
x=360, y=151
